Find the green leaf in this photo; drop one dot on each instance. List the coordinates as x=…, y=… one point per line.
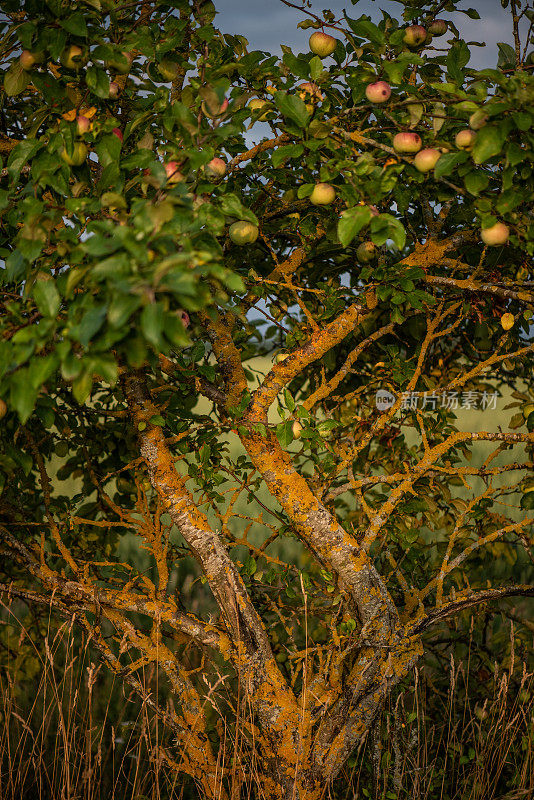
x=288, y=397
x=20, y=155
x=507, y=57
x=316, y=68
x=476, y=182
x=489, y=142
x=287, y=151
x=16, y=80
x=22, y=393
x=447, y=164
x=366, y=29
x=522, y=119
x=74, y=24
x=81, y=386
x=42, y=368
x=284, y=433
x=97, y=81
x=121, y=308
x=106, y=366
x=90, y=324
x=292, y=107
x=351, y=223
x=152, y=324
x=385, y=227
x=46, y=297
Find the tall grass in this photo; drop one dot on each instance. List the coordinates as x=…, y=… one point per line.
x=70, y=731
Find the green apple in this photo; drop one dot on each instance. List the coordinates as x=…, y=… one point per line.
x=415, y=36
x=438, y=27
x=465, y=139
x=28, y=58
x=79, y=154
x=73, y=57
x=365, y=252
x=322, y=44
x=496, y=234
x=243, y=232
x=323, y=194
x=120, y=62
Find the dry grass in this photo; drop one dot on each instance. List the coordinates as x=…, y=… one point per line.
x=72, y=732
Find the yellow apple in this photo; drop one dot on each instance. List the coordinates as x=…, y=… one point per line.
x=507, y=321
x=79, y=154
x=323, y=194
x=322, y=44
x=495, y=234
x=243, y=232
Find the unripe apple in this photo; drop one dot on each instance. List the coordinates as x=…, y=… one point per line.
x=3, y=408
x=438, y=27
x=464, y=140
x=495, y=234
x=507, y=321
x=322, y=44
x=215, y=169
x=243, y=232
x=323, y=194
x=378, y=92
x=407, y=142
x=212, y=111
x=172, y=172
x=73, y=57
x=79, y=154
x=169, y=70
x=414, y=36
x=366, y=252
x=296, y=429
x=114, y=90
x=120, y=63
x=426, y=159
x=478, y=119
x=118, y=133
x=28, y=58
x=83, y=124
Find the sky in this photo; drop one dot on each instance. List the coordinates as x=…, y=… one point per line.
x=269, y=23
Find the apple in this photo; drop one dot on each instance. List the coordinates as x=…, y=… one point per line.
x=426, y=159
x=243, y=232
x=322, y=44
x=114, y=90
x=366, y=252
x=73, y=57
x=415, y=36
x=507, y=321
x=120, y=62
x=215, y=169
x=296, y=429
x=465, y=139
x=407, y=142
x=478, y=119
x=28, y=58
x=83, y=124
x=118, y=133
x=79, y=154
x=184, y=316
x=323, y=194
x=172, y=172
x=378, y=92
x=438, y=27
x=495, y=234
x=213, y=111
x=3, y=408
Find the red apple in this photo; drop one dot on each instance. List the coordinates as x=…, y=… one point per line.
x=407, y=142
x=215, y=169
x=322, y=44
x=378, y=92
x=438, y=27
x=495, y=234
x=415, y=36
x=83, y=124
x=173, y=173
x=426, y=159
x=465, y=139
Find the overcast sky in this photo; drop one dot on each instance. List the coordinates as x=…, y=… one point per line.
x=269, y=23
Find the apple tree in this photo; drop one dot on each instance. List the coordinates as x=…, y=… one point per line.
x=249, y=304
